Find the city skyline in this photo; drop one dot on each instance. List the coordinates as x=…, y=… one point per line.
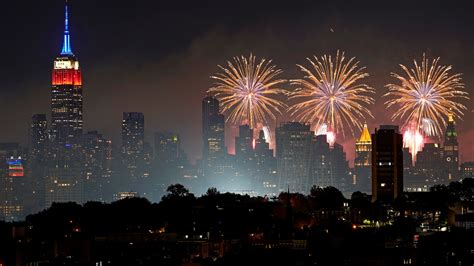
x=179, y=118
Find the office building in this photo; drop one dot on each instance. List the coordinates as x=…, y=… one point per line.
x=387, y=164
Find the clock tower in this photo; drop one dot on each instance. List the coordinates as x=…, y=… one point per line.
x=451, y=151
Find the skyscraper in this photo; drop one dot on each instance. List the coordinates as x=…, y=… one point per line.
x=387, y=164
x=451, y=152
x=64, y=176
x=38, y=160
x=170, y=160
x=12, y=180
x=329, y=166
x=38, y=134
x=66, y=93
x=64, y=181
x=167, y=147
x=429, y=164
x=293, y=153
x=244, y=143
x=97, y=154
x=213, y=127
x=133, y=143
x=266, y=170
x=363, y=161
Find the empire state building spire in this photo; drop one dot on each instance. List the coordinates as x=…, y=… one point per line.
x=67, y=42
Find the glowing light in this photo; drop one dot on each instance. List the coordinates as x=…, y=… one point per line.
x=247, y=89
x=331, y=138
x=15, y=168
x=425, y=96
x=414, y=141
x=330, y=93
x=267, y=134
x=67, y=77
x=67, y=41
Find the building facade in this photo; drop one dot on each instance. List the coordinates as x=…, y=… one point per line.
x=293, y=154
x=363, y=161
x=66, y=93
x=387, y=164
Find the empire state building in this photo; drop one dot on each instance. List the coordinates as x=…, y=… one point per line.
x=66, y=93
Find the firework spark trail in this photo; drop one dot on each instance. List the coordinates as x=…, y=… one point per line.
x=424, y=98
x=330, y=93
x=427, y=93
x=247, y=90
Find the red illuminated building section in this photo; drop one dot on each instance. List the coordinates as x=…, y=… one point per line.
x=67, y=77
x=15, y=168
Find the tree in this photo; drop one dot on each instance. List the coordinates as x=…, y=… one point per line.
x=326, y=198
x=177, y=191
x=212, y=191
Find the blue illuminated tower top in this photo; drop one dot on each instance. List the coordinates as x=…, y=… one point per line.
x=67, y=42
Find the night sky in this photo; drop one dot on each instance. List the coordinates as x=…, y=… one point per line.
x=156, y=56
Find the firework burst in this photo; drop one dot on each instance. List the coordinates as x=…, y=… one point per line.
x=247, y=91
x=331, y=93
x=427, y=93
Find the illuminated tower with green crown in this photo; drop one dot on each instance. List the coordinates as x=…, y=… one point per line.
x=451, y=151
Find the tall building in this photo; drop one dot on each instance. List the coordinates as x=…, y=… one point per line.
x=133, y=144
x=213, y=133
x=64, y=181
x=363, y=160
x=451, y=151
x=167, y=147
x=66, y=93
x=213, y=125
x=171, y=162
x=387, y=164
x=12, y=180
x=293, y=153
x=329, y=166
x=97, y=154
x=244, y=142
x=38, y=134
x=467, y=170
x=429, y=164
x=266, y=169
x=64, y=177
x=38, y=159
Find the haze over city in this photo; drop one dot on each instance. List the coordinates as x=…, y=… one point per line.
x=159, y=62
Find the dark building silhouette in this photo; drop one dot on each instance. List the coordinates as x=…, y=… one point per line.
x=64, y=181
x=97, y=158
x=467, y=170
x=38, y=134
x=293, y=154
x=429, y=164
x=66, y=93
x=244, y=142
x=12, y=181
x=363, y=161
x=266, y=169
x=329, y=166
x=170, y=161
x=133, y=144
x=38, y=159
x=213, y=125
x=213, y=133
x=387, y=164
x=167, y=147
x=451, y=151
